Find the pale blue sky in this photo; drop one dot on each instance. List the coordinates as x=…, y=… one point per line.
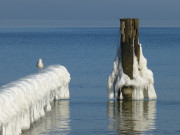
x=99, y=13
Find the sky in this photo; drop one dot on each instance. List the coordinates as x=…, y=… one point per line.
x=89, y=13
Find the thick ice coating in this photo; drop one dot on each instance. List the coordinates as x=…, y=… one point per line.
x=24, y=101
x=142, y=82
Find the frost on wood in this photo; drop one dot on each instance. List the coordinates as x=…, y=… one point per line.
x=130, y=78
x=24, y=101
x=142, y=83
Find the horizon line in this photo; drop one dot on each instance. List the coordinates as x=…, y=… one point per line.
x=85, y=23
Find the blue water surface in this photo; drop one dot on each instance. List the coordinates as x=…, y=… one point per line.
x=88, y=54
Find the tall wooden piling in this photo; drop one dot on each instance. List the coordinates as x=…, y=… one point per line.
x=129, y=48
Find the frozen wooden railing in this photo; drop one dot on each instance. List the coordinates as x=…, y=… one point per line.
x=24, y=101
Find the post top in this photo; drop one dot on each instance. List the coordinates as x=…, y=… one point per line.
x=124, y=19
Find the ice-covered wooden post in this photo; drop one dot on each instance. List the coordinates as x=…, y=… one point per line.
x=129, y=48
x=130, y=78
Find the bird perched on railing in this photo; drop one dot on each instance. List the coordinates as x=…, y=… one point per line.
x=40, y=64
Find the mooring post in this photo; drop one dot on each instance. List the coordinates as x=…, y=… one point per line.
x=129, y=48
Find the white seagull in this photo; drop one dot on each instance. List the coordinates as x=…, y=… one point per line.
x=40, y=64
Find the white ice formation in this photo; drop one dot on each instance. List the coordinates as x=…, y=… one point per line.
x=142, y=82
x=57, y=121
x=24, y=101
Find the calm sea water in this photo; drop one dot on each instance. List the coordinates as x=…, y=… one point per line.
x=88, y=55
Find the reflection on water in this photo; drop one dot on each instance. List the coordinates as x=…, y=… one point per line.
x=131, y=117
x=54, y=122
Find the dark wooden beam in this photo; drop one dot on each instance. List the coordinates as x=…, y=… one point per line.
x=129, y=44
x=129, y=48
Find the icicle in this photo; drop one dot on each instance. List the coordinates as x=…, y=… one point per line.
x=142, y=82
x=22, y=102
